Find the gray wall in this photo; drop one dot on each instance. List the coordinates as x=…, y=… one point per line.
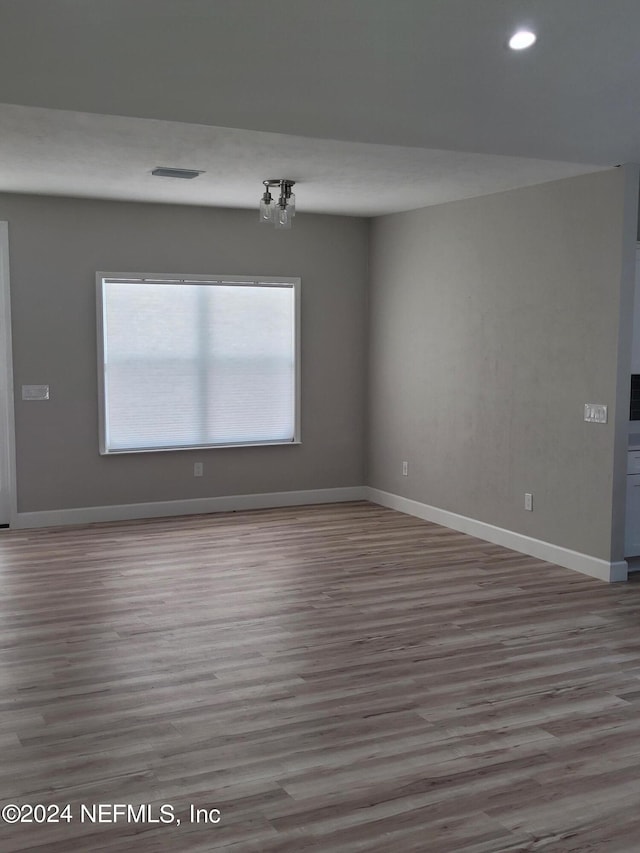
x=56, y=247
x=492, y=322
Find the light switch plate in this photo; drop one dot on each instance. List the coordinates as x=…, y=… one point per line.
x=35, y=392
x=595, y=413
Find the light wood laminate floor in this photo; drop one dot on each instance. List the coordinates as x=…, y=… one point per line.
x=331, y=678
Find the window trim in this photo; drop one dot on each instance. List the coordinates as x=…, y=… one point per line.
x=103, y=277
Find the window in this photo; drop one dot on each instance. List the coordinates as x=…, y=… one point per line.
x=197, y=362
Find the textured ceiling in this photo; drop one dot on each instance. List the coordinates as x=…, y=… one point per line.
x=381, y=104
x=66, y=153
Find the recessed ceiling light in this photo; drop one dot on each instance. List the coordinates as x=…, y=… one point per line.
x=522, y=39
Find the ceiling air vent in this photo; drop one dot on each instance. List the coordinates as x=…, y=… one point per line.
x=168, y=172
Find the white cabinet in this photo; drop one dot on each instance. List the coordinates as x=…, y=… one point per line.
x=632, y=526
x=632, y=523
x=633, y=462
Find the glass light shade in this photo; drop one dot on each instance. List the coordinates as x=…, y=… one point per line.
x=266, y=212
x=291, y=204
x=283, y=218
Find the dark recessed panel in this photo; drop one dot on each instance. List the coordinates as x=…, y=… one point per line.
x=634, y=414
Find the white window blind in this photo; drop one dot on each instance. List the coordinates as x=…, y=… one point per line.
x=187, y=363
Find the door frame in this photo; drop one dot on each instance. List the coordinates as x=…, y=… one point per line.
x=7, y=409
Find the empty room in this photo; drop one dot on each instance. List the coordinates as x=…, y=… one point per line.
x=319, y=463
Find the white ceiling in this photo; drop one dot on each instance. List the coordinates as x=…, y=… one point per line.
x=371, y=105
x=68, y=153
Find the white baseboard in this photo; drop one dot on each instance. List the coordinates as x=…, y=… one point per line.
x=196, y=506
x=592, y=566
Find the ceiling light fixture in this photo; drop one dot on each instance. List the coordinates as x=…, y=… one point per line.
x=280, y=212
x=522, y=39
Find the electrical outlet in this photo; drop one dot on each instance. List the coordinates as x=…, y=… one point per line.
x=528, y=501
x=595, y=413
x=405, y=469
x=198, y=469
